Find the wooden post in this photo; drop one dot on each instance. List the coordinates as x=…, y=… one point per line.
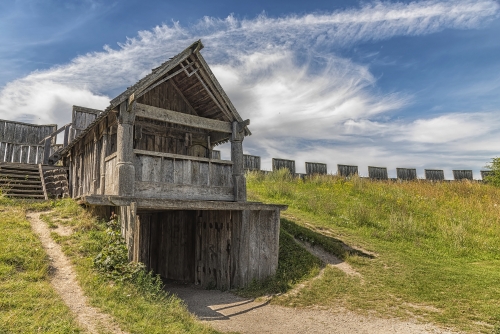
x=46, y=152
x=104, y=150
x=95, y=175
x=239, y=182
x=66, y=136
x=125, y=171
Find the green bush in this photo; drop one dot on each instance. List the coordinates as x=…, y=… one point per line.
x=112, y=261
x=494, y=177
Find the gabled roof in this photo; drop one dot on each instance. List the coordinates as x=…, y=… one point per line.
x=189, y=72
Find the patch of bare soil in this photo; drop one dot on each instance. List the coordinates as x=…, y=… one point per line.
x=328, y=258
x=63, y=279
x=227, y=312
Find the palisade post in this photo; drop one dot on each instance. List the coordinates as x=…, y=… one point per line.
x=104, y=150
x=239, y=182
x=125, y=171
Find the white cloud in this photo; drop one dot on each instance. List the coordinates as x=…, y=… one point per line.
x=280, y=73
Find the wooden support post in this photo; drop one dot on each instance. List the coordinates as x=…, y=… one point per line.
x=239, y=182
x=104, y=149
x=125, y=171
x=66, y=136
x=95, y=175
x=46, y=152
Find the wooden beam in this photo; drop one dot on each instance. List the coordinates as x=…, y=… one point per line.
x=184, y=98
x=175, y=117
x=171, y=204
x=180, y=157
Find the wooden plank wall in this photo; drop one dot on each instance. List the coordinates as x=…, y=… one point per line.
x=166, y=243
x=166, y=96
x=81, y=119
x=215, y=155
x=316, y=168
x=434, y=174
x=20, y=142
x=85, y=171
x=214, y=248
x=462, y=175
x=255, y=241
x=251, y=162
x=406, y=174
x=284, y=163
x=377, y=173
x=183, y=178
x=347, y=170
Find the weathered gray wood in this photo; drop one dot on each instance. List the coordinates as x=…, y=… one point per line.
x=46, y=151
x=169, y=204
x=181, y=191
x=406, y=174
x=182, y=119
x=462, y=175
x=124, y=169
x=347, y=170
x=377, y=173
x=181, y=157
x=284, y=163
x=434, y=174
x=215, y=155
x=251, y=162
x=42, y=178
x=316, y=168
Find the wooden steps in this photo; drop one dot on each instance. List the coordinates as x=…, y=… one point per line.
x=21, y=181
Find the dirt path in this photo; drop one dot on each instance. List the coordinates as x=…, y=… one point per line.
x=63, y=279
x=227, y=312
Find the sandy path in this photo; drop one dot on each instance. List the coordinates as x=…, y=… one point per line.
x=227, y=312
x=63, y=279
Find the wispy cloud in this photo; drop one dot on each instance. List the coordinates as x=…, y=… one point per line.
x=283, y=73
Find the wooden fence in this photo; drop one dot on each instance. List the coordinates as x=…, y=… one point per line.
x=462, y=175
x=284, y=163
x=20, y=142
x=251, y=162
x=215, y=154
x=434, y=174
x=377, y=173
x=347, y=170
x=316, y=168
x=406, y=174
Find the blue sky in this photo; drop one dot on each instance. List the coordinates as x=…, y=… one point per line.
x=395, y=84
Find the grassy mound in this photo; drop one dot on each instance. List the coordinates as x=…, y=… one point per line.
x=435, y=246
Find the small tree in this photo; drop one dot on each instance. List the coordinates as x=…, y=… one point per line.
x=494, y=177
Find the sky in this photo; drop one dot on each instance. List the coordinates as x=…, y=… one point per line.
x=371, y=83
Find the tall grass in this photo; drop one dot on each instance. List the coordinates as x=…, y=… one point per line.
x=437, y=243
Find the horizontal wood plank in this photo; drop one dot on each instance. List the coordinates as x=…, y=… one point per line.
x=165, y=115
x=182, y=157
x=171, y=204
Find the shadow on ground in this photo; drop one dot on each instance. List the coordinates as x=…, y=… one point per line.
x=210, y=305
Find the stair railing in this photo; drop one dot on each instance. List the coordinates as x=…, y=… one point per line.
x=47, y=142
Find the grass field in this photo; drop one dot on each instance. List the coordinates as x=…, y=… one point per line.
x=28, y=304
x=436, y=245
x=425, y=250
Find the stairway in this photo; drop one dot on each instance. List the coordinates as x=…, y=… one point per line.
x=21, y=181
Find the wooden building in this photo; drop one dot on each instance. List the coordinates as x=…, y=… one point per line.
x=149, y=157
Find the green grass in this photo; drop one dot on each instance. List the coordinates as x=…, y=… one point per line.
x=436, y=245
x=28, y=304
x=137, y=305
